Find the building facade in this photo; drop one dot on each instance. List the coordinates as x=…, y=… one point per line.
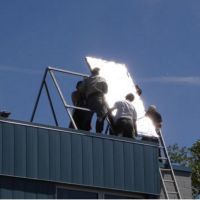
x=38, y=161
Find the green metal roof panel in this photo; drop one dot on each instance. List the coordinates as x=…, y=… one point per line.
x=181, y=168
x=8, y=149
x=108, y=164
x=31, y=152
x=93, y=160
x=87, y=160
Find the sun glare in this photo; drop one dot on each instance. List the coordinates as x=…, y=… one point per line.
x=120, y=84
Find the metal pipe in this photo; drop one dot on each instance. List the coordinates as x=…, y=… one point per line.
x=51, y=104
x=79, y=108
x=67, y=72
x=38, y=97
x=62, y=98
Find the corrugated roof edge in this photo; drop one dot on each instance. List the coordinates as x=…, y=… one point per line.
x=181, y=168
x=177, y=167
x=80, y=132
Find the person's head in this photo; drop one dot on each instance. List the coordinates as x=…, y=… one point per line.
x=95, y=71
x=130, y=97
x=152, y=108
x=78, y=84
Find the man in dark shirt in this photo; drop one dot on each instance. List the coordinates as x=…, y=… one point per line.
x=94, y=88
x=79, y=100
x=155, y=116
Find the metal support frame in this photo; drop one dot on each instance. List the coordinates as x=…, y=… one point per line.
x=51, y=70
x=39, y=94
x=51, y=104
x=62, y=97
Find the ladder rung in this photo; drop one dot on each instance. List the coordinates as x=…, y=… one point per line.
x=166, y=170
x=172, y=192
x=162, y=158
x=167, y=180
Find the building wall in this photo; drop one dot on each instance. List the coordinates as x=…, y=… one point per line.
x=24, y=188
x=78, y=158
x=184, y=183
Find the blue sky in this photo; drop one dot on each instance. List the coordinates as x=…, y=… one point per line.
x=158, y=40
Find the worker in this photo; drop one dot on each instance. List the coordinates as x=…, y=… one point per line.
x=94, y=88
x=79, y=100
x=125, y=118
x=155, y=116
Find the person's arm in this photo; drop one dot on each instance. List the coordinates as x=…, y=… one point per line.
x=105, y=87
x=83, y=85
x=134, y=121
x=135, y=126
x=111, y=109
x=74, y=97
x=101, y=85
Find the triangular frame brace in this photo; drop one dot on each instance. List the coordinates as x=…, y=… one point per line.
x=50, y=71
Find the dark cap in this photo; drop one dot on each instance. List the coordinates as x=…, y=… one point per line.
x=95, y=71
x=78, y=84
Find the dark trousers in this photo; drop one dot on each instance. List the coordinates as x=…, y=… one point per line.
x=125, y=127
x=112, y=125
x=96, y=104
x=81, y=122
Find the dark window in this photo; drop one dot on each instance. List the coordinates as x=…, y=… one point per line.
x=63, y=193
x=115, y=196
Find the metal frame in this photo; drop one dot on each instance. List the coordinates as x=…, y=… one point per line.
x=50, y=71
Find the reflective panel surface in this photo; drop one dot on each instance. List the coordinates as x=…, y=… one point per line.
x=120, y=83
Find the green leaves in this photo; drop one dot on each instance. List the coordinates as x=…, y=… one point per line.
x=179, y=155
x=189, y=157
x=195, y=166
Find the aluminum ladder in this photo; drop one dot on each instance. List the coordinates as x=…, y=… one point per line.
x=170, y=186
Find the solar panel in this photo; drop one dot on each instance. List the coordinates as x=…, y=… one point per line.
x=120, y=83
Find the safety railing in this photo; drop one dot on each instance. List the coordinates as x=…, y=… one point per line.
x=50, y=71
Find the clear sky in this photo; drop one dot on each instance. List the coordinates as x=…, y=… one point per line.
x=158, y=40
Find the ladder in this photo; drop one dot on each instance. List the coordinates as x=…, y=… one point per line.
x=167, y=175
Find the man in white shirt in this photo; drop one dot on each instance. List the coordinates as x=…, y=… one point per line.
x=125, y=118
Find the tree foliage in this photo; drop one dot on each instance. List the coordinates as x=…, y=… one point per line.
x=179, y=155
x=195, y=166
x=189, y=157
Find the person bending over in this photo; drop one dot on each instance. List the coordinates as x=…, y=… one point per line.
x=125, y=118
